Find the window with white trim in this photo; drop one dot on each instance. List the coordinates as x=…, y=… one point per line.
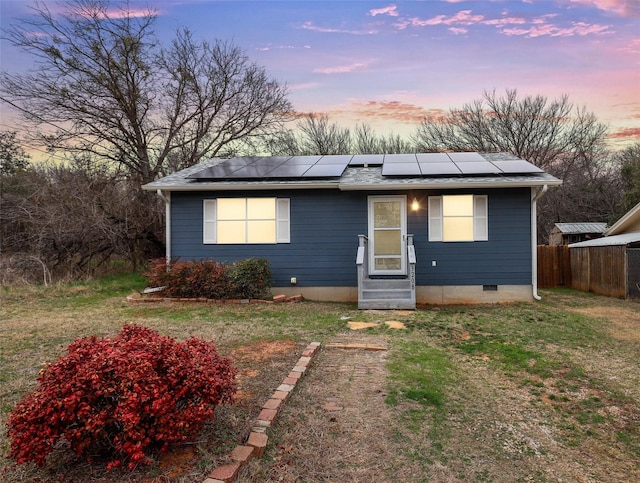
x=455, y=218
x=246, y=220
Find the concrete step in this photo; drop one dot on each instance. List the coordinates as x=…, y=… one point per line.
x=387, y=304
x=386, y=294
x=386, y=284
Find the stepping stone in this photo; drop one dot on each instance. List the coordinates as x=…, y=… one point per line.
x=362, y=325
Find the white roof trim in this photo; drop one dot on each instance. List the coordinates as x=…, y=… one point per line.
x=618, y=226
x=467, y=183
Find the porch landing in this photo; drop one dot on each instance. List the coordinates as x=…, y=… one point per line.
x=386, y=294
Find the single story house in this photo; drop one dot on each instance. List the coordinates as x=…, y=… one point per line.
x=610, y=265
x=387, y=231
x=567, y=233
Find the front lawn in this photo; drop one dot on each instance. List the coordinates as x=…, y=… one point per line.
x=470, y=389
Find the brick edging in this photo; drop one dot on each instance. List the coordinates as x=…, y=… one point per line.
x=256, y=442
x=133, y=298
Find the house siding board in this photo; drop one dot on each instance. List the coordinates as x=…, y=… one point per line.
x=317, y=260
x=312, y=257
x=505, y=259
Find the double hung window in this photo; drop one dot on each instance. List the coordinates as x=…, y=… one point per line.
x=456, y=218
x=246, y=220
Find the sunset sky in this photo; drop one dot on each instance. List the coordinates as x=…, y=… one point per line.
x=390, y=64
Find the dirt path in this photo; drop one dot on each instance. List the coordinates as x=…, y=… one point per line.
x=336, y=427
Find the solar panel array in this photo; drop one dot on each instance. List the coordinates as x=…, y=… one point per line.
x=422, y=164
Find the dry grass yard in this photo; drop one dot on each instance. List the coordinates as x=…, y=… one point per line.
x=539, y=392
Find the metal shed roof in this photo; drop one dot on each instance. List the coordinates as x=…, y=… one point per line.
x=577, y=228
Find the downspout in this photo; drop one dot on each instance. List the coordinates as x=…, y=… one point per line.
x=537, y=194
x=166, y=197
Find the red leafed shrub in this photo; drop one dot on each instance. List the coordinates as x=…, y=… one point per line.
x=120, y=397
x=206, y=278
x=244, y=279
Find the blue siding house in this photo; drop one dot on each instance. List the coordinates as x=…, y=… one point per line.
x=386, y=231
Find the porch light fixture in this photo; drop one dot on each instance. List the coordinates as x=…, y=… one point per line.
x=415, y=205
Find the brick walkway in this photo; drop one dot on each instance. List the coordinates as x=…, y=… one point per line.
x=344, y=387
x=339, y=405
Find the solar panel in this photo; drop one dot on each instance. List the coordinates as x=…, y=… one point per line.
x=251, y=171
x=239, y=161
x=287, y=171
x=422, y=164
x=219, y=171
x=477, y=167
x=466, y=157
x=439, y=169
x=367, y=160
x=271, y=161
x=335, y=159
x=433, y=158
x=517, y=166
x=324, y=171
x=400, y=169
x=304, y=160
x=400, y=158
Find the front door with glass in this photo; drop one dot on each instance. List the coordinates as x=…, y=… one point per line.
x=387, y=235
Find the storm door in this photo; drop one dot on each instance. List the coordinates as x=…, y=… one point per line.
x=387, y=235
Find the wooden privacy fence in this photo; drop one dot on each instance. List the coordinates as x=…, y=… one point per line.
x=600, y=270
x=554, y=266
x=606, y=270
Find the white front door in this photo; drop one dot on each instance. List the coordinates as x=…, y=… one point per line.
x=387, y=235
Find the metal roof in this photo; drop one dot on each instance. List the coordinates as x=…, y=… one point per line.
x=614, y=240
x=577, y=228
x=358, y=174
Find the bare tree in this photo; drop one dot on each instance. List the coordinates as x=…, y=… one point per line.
x=534, y=128
x=320, y=136
x=395, y=144
x=365, y=140
x=106, y=88
x=566, y=141
x=76, y=219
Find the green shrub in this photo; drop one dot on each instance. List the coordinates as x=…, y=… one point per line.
x=210, y=279
x=250, y=278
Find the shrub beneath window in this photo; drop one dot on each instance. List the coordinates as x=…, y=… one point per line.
x=121, y=397
x=250, y=279
x=244, y=279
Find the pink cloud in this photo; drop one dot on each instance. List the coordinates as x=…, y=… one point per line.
x=500, y=22
x=510, y=26
x=390, y=10
x=463, y=17
x=343, y=69
x=390, y=111
x=316, y=28
x=629, y=133
x=131, y=13
x=418, y=22
x=633, y=47
x=625, y=8
x=577, y=28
